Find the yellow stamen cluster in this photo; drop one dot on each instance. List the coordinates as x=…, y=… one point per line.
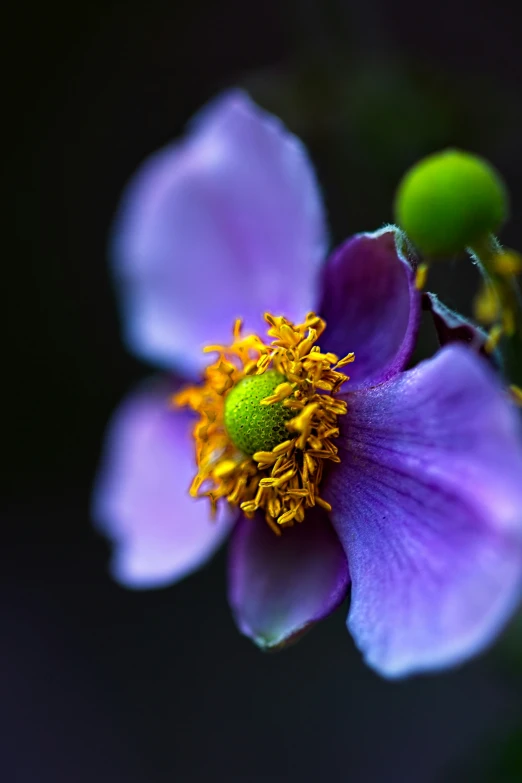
x=285, y=481
x=495, y=304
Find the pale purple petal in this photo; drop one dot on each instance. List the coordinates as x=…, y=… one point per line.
x=227, y=223
x=371, y=305
x=141, y=501
x=427, y=503
x=279, y=586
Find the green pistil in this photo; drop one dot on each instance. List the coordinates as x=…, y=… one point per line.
x=251, y=426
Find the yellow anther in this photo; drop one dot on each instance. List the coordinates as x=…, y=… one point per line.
x=238, y=324
x=281, y=392
x=213, y=349
x=323, y=503
x=315, y=443
x=508, y=322
x=266, y=457
x=188, y=396
x=249, y=506
x=310, y=463
x=325, y=385
x=260, y=494
x=487, y=305
x=494, y=337
x=224, y=468
x=316, y=356
x=274, y=506
x=289, y=515
x=262, y=363
x=421, y=276
x=302, y=422
x=332, y=433
x=348, y=359
x=307, y=345
x=289, y=335
x=284, y=447
x=507, y=263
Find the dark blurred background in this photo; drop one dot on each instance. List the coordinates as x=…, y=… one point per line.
x=102, y=684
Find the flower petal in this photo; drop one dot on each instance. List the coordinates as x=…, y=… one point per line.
x=227, y=223
x=141, y=498
x=281, y=585
x=371, y=305
x=427, y=502
x=452, y=327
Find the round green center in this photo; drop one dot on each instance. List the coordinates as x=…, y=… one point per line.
x=251, y=426
x=450, y=200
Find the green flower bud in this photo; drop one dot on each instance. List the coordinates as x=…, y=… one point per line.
x=449, y=201
x=251, y=426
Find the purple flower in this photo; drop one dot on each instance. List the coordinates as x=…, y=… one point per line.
x=426, y=520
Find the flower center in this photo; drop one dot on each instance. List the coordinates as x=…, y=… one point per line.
x=251, y=425
x=267, y=418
